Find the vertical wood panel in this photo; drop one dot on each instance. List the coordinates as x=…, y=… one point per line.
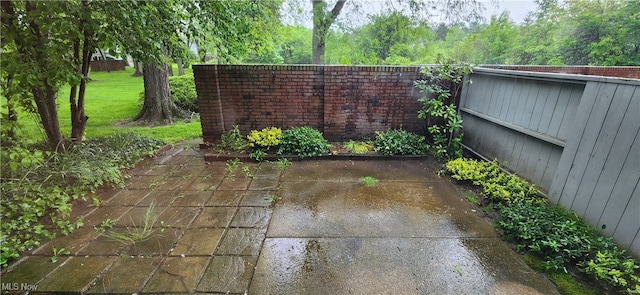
x=601, y=151
x=630, y=221
x=540, y=100
x=550, y=107
x=570, y=149
x=514, y=99
x=568, y=120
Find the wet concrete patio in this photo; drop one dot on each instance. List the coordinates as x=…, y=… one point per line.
x=313, y=228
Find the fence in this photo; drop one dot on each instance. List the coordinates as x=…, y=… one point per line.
x=626, y=72
x=577, y=137
x=343, y=102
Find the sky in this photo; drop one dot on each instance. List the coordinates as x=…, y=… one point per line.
x=518, y=9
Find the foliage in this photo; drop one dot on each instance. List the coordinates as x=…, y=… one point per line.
x=564, y=281
x=38, y=187
x=231, y=166
x=559, y=237
x=442, y=85
x=616, y=269
x=497, y=185
x=369, y=181
x=233, y=141
x=266, y=138
x=303, y=142
x=399, y=142
x=358, y=147
x=282, y=163
x=183, y=92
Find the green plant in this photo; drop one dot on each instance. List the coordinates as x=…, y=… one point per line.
x=272, y=198
x=246, y=170
x=39, y=187
x=96, y=201
x=283, y=163
x=233, y=140
x=57, y=252
x=358, y=147
x=183, y=92
x=442, y=85
x=106, y=224
x=258, y=155
x=369, y=181
x=471, y=198
x=616, y=269
x=231, y=166
x=303, y=142
x=137, y=232
x=399, y=142
x=266, y=138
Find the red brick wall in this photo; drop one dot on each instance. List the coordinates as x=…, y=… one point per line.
x=623, y=72
x=344, y=102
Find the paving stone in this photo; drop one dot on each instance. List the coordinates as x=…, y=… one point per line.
x=192, y=199
x=264, y=184
x=178, y=216
x=31, y=270
x=126, y=275
x=159, y=198
x=76, y=275
x=191, y=169
x=103, y=245
x=145, y=181
x=241, y=241
x=228, y=274
x=258, y=198
x=204, y=183
x=160, y=242
x=177, y=274
x=225, y=198
x=198, y=241
x=128, y=197
x=256, y=217
x=214, y=217
x=176, y=182
x=268, y=171
x=214, y=169
x=74, y=242
x=160, y=170
x=136, y=217
x=104, y=213
x=237, y=184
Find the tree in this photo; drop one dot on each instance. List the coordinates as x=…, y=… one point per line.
x=453, y=11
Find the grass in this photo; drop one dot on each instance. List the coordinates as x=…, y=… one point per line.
x=111, y=98
x=369, y=181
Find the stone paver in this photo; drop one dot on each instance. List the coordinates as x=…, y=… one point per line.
x=325, y=233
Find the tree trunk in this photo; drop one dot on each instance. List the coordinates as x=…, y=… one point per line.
x=45, y=99
x=322, y=21
x=158, y=107
x=180, y=67
x=138, y=66
x=78, y=117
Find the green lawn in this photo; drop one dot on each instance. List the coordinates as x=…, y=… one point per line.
x=111, y=99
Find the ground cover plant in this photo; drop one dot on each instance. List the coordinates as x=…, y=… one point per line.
x=559, y=238
x=399, y=142
x=39, y=187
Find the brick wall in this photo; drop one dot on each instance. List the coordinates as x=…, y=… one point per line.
x=344, y=102
x=624, y=72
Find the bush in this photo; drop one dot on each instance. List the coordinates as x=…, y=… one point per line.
x=266, y=138
x=303, y=141
x=399, y=142
x=38, y=187
x=183, y=92
x=233, y=141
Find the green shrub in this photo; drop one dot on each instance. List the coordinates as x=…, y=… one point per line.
x=266, y=138
x=38, y=187
x=399, y=142
x=183, y=92
x=496, y=185
x=615, y=268
x=303, y=141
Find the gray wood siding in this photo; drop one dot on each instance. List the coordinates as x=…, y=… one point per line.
x=576, y=137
